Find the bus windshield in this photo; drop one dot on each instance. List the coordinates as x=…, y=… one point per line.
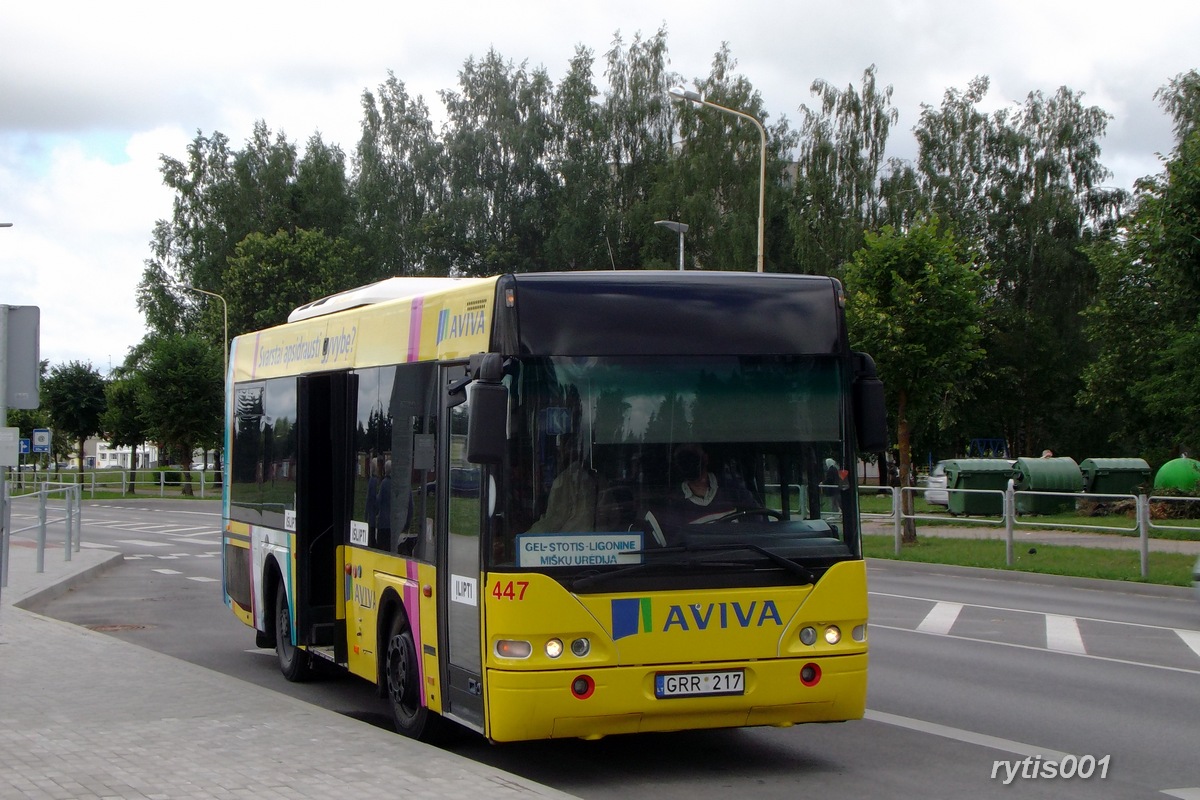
x=666, y=470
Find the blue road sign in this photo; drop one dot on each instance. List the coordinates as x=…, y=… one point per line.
x=24, y=447
x=41, y=440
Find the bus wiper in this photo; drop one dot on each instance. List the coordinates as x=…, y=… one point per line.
x=786, y=563
x=587, y=581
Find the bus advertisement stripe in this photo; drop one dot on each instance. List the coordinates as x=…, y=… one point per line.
x=414, y=329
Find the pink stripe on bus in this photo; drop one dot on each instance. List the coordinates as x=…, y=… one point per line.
x=414, y=329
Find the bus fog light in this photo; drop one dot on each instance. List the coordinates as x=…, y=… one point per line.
x=581, y=647
x=554, y=648
x=833, y=634
x=859, y=634
x=810, y=674
x=583, y=687
x=513, y=648
x=808, y=635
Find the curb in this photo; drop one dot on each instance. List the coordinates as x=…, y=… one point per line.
x=67, y=583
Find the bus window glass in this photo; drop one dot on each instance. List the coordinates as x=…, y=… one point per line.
x=263, y=468
x=410, y=394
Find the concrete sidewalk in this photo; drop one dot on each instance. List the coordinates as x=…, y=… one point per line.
x=85, y=715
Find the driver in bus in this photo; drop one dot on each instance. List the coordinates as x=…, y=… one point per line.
x=700, y=497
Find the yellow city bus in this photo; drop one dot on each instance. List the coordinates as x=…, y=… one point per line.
x=559, y=504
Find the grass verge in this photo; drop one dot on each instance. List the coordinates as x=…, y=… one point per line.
x=1168, y=569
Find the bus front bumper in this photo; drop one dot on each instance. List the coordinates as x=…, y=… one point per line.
x=528, y=705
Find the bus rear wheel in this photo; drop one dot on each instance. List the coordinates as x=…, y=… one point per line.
x=294, y=663
x=404, y=690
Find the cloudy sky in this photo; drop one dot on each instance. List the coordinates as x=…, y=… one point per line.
x=91, y=94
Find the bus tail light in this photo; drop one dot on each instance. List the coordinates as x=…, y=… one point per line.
x=583, y=687
x=810, y=674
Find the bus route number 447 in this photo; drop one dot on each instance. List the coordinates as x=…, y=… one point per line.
x=697, y=684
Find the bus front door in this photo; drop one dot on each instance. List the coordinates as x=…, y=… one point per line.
x=459, y=490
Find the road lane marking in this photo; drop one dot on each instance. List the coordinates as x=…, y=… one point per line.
x=1125, y=661
x=1190, y=638
x=960, y=735
x=940, y=618
x=1062, y=634
x=201, y=579
x=1192, y=793
x=163, y=571
x=144, y=543
x=1028, y=611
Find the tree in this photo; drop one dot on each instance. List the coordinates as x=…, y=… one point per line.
x=838, y=190
x=497, y=137
x=914, y=302
x=1025, y=185
x=1145, y=318
x=640, y=121
x=581, y=196
x=180, y=394
x=398, y=185
x=73, y=393
x=268, y=276
x=123, y=420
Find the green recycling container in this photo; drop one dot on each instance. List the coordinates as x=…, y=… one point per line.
x=1181, y=473
x=977, y=473
x=1057, y=475
x=1114, y=475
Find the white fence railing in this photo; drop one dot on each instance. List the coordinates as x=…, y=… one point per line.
x=1010, y=518
x=123, y=482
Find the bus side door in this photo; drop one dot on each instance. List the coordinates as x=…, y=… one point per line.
x=324, y=482
x=459, y=488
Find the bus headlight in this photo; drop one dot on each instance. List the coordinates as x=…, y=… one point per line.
x=859, y=634
x=581, y=647
x=554, y=648
x=833, y=634
x=808, y=635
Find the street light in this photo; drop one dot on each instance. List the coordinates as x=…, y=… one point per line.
x=225, y=314
x=681, y=229
x=680, y=93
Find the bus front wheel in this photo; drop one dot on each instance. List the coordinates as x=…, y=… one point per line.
x=294, y=663
x=404, y=689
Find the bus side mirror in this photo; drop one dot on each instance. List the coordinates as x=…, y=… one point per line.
x=870, y=408
x=487, y=424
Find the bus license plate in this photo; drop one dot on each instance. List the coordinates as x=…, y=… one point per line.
x=699, y=684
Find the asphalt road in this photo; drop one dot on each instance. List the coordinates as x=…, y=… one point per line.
x=972, y=673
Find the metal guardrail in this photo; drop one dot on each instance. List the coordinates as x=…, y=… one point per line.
x=1011, y=520
x=124, y=482
x=72, y=515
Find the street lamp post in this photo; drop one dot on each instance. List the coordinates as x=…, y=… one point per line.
x=681, y=229
x=694, y=97
x=225, y=316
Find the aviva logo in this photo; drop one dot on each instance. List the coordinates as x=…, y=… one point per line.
x=631, y=616
x=635, y=615
x=471, y=322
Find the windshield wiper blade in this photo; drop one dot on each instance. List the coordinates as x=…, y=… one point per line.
x=603, y=577
x=786, y=563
